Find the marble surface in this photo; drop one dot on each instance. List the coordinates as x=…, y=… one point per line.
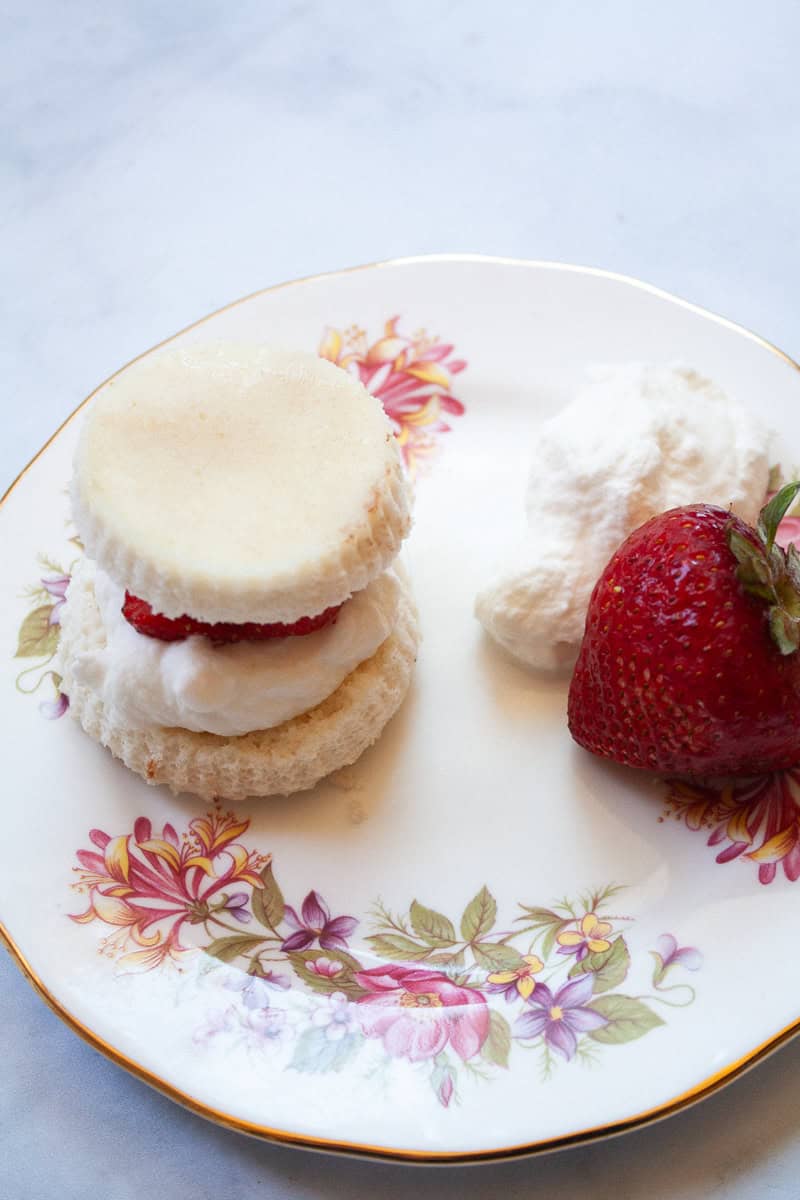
x=160, y=160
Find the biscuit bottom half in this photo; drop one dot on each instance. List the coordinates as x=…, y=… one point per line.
x=287, y=758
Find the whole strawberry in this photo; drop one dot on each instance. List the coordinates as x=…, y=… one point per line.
x=689, y=663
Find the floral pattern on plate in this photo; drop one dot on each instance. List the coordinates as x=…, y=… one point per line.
x=37, y=639
x=412, y=376
x=454, y=997
x=757, y=820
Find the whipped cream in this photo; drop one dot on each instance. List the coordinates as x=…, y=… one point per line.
x=637, y=440
x=235, y=689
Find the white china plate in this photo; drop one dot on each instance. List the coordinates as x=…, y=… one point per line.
x=473, y=840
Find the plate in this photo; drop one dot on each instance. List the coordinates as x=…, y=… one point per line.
x=478, y=941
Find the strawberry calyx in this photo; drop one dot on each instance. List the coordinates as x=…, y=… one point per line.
x=140, y=615
x=770, y=573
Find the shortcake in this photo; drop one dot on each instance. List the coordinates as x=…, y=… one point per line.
x=239, y=624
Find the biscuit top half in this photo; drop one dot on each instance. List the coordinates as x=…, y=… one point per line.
x=239, y=483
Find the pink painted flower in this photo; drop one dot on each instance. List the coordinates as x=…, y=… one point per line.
x=411, y=375
x=315, y=924
x=561, y=1018
x=445, y=1089
x=328, y=968
x=758, y=819
x=417, y=1013
x=148, y=888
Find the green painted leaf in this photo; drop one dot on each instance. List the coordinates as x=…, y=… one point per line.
x=37, y=637
x=267, y=902
x=226, y=949
x=628, y=1019
x=609, y=967
x=315, y=1052
x=496, y=957
x=431, y=926
x=479, y=916
x=447, y=958
x=497, y=1046
x=658, y=970
x=540, y=916
x=342, y=981
x=397, y=946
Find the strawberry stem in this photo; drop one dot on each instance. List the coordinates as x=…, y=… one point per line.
x=770, y=573
x=773, y=513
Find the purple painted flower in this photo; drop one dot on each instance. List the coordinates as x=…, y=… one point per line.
x=265, y=1025
x=254, y=989
x=53, y=709
x=562, y=1017
x=236, y=905
x=56, y=586
x=255, y=993
x=671, y=954
x=316, y=924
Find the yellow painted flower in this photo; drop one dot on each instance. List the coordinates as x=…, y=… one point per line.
x=589, y=938
x=519, y=981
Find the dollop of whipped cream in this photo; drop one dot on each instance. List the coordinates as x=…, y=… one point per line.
x=230, y=690
x=636, y=441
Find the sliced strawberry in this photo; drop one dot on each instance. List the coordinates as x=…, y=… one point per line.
x=140, y=615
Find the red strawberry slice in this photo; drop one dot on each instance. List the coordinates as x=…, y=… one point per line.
x=167, y=629
x=689, y=662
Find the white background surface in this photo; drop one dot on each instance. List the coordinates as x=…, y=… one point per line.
x=159, y=161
